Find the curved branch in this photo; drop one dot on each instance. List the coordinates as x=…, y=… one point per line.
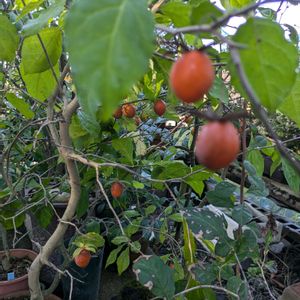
x=57, y=236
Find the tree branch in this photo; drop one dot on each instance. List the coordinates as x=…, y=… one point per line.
x=259, y=110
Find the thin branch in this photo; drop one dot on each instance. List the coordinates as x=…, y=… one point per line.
x=214, y=25
x=206, y=286
x=107, y=200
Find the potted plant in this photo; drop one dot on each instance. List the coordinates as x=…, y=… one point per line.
x=13, y=268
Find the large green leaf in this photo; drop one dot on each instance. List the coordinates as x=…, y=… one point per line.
x=40, y=85
x=105, y=61
x=20, y=104
x=152, y=273
x=269, y=60
x=291, y=104
x=178, y=12
x=34, y=58
x=222, y=195
x=209, y=226
x=204, y=12
x=9, y=39
x=195, y=181
x=125, y=147
x=33, y=26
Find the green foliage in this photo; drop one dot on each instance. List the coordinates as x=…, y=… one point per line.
x=222, y=195
x=152, y=273
x=273, y=75
x=34, y=59
x=207, y=225
x=291, y=105
x=22, y=106
x=102, y=74
x=33, y=26
x=9, y=39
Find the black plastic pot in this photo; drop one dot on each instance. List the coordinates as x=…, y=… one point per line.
x=90, y=277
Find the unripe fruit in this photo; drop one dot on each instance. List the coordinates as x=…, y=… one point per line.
x=217, y=145
x=128, y=110
x=116, y=189
x=159, y=107
x=118, y=113
x=192, y=76
x=83, y=259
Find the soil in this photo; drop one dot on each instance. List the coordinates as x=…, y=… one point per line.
x=18, y=265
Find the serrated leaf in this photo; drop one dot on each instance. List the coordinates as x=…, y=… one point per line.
x=125, y=147
x=34, y=59
x=123, y=261
x=113, y=256
x=40, y=85
x=9, y=40
x=106, y=69
x=33, y=26
x=291, y=104
x=20, y=104
x=153, y=274
x=273, y=75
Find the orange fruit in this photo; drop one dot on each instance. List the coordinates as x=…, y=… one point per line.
x=192, y=76
x=159, y=107
x=128, y=110
x=118, y=113
x=217, y=145
x=83, y=259
x=116, y=189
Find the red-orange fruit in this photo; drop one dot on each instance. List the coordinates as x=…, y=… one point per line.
x=116, y=189
x=118, y=113
x=128, y=110
x=192, y=76
x=217, y=145
x=83, y=259
x=159, y=107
